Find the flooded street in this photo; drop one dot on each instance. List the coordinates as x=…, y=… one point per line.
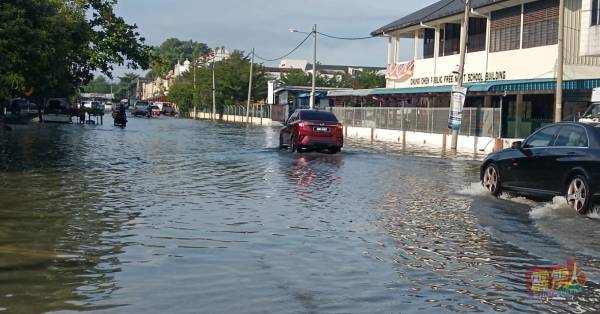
x=182, y=216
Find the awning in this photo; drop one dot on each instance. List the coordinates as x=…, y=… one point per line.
x=412, y=90
x=349, y=93
x=492, y=86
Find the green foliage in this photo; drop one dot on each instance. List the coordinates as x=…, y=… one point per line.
x=231, y=80
x=367, y=79
x=52, y=47
x=98, y=85
x=360, y=80
x=173, y=50
x=126, y=87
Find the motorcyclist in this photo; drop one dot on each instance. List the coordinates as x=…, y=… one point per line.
x=121, y=117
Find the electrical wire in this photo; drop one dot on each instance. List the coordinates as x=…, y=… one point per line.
x=346, y=38
x=287, y=54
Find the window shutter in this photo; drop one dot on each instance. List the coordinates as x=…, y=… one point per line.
x=540, y=23
x=505, y=29
x=595, y=12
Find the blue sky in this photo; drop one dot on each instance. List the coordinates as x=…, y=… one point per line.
x=263, y=24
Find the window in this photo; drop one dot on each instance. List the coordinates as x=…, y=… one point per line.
x=505, y=29
x=540, y=23
x=477, y=33
x=571, y=136
x=450, y=40
x=595, y=12
x=542, y=138
x=318, y=116
x=428, y=43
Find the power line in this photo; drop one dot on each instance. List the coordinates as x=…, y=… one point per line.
x=287, y=54
x=346, y=38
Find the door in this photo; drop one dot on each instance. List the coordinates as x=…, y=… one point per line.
x=530, y=166
x=286, y=133
x=570, y=150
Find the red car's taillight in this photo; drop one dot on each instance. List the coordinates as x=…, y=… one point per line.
x=301, y=124
x=340, y=126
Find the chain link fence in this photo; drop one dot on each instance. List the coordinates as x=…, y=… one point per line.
x=484, y=122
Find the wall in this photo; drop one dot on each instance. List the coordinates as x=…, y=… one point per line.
x=466, y=144
x=590, y=35
x=233, y=118
x=538, y=62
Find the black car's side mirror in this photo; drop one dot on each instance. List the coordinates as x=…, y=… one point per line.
x=517, y=145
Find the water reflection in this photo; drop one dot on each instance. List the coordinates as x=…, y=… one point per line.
x=172, y=215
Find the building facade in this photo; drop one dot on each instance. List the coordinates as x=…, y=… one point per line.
x=511, y=62
x=160, y=86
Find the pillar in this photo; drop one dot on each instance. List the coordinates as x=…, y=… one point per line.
x=518, y=114
x=487, y=101
x=416, y=56
x=390, y=56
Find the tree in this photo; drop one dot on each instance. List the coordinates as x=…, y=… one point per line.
x=52, y=47
x=98, y=85
x=296, y=77
x=367, y=79
x=127, y=86
x=172, y=51
x=231, y=78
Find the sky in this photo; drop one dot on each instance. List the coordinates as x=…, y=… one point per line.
x=264, y=24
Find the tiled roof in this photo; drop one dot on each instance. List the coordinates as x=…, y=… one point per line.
x=438, y=10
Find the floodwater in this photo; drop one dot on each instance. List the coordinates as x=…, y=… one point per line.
x=182, y=216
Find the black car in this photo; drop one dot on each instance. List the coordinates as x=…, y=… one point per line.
x=560, y=159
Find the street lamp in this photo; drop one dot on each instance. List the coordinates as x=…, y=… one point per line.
x=314, y=69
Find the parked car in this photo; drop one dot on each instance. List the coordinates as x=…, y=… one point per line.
x=20, y=106
x=558, y=160
x=56, y=106
x=168, y=110
x=154, y=111
x=140, y=108
x=312, y=129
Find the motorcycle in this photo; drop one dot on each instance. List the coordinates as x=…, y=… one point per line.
x=120, y=117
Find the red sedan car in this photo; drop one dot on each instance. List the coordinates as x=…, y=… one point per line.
x=312, y=129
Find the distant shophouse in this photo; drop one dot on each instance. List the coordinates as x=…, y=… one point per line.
x=159, y=87
x=511, y=61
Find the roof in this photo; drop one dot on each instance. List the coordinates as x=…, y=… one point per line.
x=438, y=10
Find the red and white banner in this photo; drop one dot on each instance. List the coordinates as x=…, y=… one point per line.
x=400, y=72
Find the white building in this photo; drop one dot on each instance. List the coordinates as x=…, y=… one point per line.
x=160, y=86
x=512, y=60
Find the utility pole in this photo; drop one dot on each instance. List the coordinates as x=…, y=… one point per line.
x=214, y=115
x=195, y=66
x=250, y=87
x=314, y=76
x=560, y=62
x=461, y=65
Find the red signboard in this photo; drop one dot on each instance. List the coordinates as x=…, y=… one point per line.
x=400, y=72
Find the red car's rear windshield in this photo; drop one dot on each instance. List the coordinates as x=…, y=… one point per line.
x=318, y=116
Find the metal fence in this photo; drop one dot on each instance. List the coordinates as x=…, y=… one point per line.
x=256, y=110
x=475, y=121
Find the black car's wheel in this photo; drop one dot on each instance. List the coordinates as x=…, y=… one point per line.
x=578, y=194
x=491, y=180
